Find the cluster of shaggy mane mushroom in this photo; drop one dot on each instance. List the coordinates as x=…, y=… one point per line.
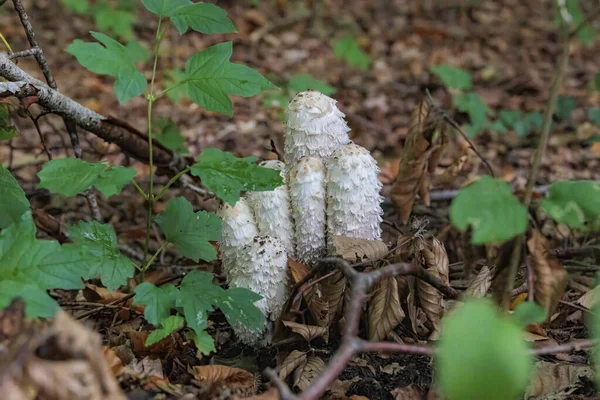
x=331, y=188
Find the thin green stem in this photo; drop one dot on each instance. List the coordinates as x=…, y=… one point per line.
x=151, y=100
x=172, y=181
x=139, y=189
x=149, y=263
x=167, y=90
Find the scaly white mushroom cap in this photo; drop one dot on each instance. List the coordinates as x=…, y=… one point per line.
x=273, y=211
x=262, y=268
x=307, y=192
x=353, y=194
x=315, y=127
x=238, y=229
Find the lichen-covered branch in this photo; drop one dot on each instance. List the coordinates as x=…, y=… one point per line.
x=129, y=139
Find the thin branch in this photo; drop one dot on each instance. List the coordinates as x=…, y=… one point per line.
x=351, y=343
x=561, y=348
x=24, y=53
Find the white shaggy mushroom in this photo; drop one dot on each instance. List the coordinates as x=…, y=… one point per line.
x=315, y=127
x=262, y=268
x=238, y=229
x=307, y=192
x=273, y=211
x=353, y=194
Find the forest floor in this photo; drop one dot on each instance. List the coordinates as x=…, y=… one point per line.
x=509, y=47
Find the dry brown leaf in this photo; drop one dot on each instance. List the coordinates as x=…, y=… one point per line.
x=306, y=373
x=298, y=270
x=334, y=288
x=414, y=160
x=308, y=332
x=317, y=304
x=550, y=277
x=291, y=362
x=339, y=388
x=356, y=249
x=480, y=284
x=590, y=298
x=450, y=174
x=409, y=392
x=114, y=362
x=102, y=295
x=385, y=309
x=235, y=378
x=271, y=394
x=435, y=260
x=551, y=379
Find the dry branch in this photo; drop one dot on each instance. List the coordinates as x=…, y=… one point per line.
x=129, y=139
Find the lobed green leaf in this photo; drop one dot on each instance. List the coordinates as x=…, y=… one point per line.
x=452, y=77
x=13, y=202
x=168, y=326
x=574, y=203
x=158, y=301
x=348, y=49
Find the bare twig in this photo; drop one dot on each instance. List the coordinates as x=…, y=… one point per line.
x=561, y=348
x=24, y=53
x=351, y=343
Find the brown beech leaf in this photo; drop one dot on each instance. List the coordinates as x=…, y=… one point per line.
x=333, y=289
x=410, y=392
x=225, y=376
x=356, y=249
x=298, y=270
x=307, y=372
x=113, y=361
x=550, y=379
x=590, y=298
x=480, y=284
x=450, y=174
x=385, y=309
x=308, y=332
x=550, y=277
x=435, y=260
x=317, y=304
x=271, y=394
x=291, y=362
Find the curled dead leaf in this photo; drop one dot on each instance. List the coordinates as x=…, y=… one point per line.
x=308, y=332
x=551, y=379
x=114, y=362
x=317, y=304
x=550, y=277
x=590, y=298
x=297, y=269
x=480, y=284
x=235, y=378
x=357, y=249
x=291, y=362
x=450, y=174
x=306, y=373
x=385, y=309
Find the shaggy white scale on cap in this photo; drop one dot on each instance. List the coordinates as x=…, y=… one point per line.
x=262, y=268
x=238, y=229
x=307, y=191
x=353, y=194
x=273, y=211
x=315, y=127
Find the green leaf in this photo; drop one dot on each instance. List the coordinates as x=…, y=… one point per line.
x=510, y=117
x=586, y=35
x=490, y=208
x=112, y=59
x=496, y=126
x=168, y=134
x=99, y=242
x=532, y=121
x=528, y=313
x=7, y=130
x=226, y=175
x=158, y=301
x=276, y=100
x=594, y=115
x=137, y=52
x=472, y=104
x=303, y=82
x=452, y=77
x=212, y=78
x=595, y=138
x=28, y=267
x=164, y=7
x=199, y=294
x=565, y=106
x=348, y=49
x=78, y=6
x=37, y=302
x=190, y=231
x=202, y=17
x=13, y=202
x=238, y=306
x=176, y=79
x=168, y=326
x=597, y=81
x=70, y=176
x=114, y=20
x=574, y=203
x=481, y=354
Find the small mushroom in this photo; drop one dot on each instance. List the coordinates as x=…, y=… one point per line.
x=238, y=229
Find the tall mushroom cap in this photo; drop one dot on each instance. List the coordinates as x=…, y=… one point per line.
x=307, y=192
x=273, y=211
x=262, y=268
x=315, y=127
x=238, y=229
x=353, y=194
